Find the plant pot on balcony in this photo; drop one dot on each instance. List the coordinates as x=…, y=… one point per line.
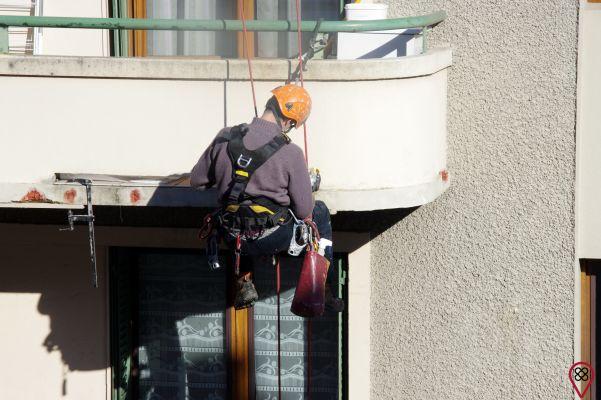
x=376, y=44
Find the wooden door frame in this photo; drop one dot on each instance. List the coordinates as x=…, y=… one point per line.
x=138, y=39
x=249, y=14
x=589, y=272
x=239, y=336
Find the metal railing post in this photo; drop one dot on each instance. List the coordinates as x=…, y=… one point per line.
x=3, y=40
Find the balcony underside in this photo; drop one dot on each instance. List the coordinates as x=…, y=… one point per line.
x=377, y=132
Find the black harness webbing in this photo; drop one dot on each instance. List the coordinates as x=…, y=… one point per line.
x=245, y=163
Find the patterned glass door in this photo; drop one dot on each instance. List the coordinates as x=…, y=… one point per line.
x=309, y=353
x=174, y=336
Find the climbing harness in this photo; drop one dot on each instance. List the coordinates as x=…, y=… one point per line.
x=243, y=215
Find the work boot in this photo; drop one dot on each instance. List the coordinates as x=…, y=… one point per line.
x=246, y=293
x=333, y=303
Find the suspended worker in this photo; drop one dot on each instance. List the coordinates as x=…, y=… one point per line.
x=265, y=188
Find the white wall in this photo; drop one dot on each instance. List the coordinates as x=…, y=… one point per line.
x=588, y=190
x=53, y=324
x=71, y=42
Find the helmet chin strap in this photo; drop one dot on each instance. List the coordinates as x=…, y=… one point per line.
x=285, y=131
x=280, y=122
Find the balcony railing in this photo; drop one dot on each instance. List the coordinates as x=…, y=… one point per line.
x=424, y=22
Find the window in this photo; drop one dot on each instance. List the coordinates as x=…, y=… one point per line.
x=590, y=317
x=216, y=44
x=174, y=336
x=21, y=40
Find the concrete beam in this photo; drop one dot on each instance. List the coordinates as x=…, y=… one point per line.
x=212, y=69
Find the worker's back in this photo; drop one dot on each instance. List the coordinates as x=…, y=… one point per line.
x=283, y=178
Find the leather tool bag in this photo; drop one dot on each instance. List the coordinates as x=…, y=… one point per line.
x=309, y=298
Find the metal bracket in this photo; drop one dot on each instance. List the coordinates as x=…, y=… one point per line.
x=4, y=40
x=317, y=45
x=89, y=218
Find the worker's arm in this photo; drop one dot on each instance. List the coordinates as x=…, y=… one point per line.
x=203, y=173
x=299, y=187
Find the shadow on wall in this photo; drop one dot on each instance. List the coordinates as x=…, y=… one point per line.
x=60, y=273
x=76, y=311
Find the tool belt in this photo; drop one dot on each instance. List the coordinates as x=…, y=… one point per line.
x=252, y=219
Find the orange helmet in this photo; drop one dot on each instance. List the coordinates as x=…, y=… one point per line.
x=294, y=102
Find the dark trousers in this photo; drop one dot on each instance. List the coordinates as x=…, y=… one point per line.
x=279, y=240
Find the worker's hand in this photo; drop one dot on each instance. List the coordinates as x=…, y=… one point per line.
x=315, y=179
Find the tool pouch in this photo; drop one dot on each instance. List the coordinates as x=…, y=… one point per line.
x=213, y=252
x=309, y=298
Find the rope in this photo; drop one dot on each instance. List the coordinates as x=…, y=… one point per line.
x=246, y=53
x=299, y=39
x=309, y=357
x=278, y=277
x=277, y=291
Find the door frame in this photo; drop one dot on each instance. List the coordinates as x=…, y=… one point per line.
x=244, y=388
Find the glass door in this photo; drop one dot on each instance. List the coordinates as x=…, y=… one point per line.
x=174, y=334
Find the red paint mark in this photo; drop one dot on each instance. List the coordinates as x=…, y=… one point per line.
x=444, y=174
x=34, y=196
x=135, y=196
x=70, y=196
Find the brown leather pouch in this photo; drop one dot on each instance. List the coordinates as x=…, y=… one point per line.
x=309, y=298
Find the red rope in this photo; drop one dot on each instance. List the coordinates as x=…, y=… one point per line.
x=278, y=277
x=309, y=357
x=299, y=39
x=247, y=53
x=277, y=291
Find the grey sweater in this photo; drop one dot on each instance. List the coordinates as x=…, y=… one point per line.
x=283, y=178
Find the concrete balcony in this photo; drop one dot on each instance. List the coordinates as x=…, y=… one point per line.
x=137, y=126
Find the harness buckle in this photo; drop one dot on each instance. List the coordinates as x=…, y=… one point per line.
x=244, y=162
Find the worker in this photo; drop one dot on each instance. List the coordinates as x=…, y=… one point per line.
x=264, y=187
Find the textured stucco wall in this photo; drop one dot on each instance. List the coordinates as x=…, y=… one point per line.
x=473, y=295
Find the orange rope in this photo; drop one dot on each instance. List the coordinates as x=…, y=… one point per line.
x=246, y=53
x=278, y=277
x=277, y=290
x=299, y=39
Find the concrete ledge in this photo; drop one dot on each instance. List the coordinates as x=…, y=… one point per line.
x=70, y=195
x=383, y=199
x=203, y=69
x=108, y=67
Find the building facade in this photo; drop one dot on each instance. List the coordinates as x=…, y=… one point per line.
x=468, y=242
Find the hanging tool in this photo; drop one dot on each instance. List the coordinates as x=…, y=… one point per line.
x=317, y=44
x=89, y=218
